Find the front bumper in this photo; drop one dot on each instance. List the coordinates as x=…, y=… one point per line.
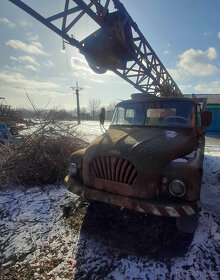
x=167, y=209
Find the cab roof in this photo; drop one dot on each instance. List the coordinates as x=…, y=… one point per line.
x=141, y=97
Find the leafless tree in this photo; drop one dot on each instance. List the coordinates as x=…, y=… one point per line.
x=85, y=114
x=110, y=111
x=94, y=106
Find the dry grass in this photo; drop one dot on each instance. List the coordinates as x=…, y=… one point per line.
x=40, y=160
x=42, y=156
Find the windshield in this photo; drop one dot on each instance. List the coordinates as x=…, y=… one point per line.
x=159, y=113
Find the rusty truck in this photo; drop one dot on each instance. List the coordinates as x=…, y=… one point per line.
x=150, y=160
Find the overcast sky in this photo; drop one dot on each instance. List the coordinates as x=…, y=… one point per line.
x=185, y=35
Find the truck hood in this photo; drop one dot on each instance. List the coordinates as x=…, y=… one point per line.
x=147, y=148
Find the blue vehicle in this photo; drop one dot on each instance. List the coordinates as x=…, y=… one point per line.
x=5, y=135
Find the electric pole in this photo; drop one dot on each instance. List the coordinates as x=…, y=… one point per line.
x=77, y=90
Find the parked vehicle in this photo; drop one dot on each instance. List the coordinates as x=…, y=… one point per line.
x=150, y=160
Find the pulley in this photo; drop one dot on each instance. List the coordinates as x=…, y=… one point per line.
x=111, y=46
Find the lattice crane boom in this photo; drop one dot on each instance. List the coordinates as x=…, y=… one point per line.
x=118, y=45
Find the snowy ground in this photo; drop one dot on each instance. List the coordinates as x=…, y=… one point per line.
x=87, y=130
x=41, y=241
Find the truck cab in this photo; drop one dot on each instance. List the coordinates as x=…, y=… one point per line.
x=150, y=160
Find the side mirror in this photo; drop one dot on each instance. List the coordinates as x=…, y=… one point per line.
x=102, y=116
x=206, y=118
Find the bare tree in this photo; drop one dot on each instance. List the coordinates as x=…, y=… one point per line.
x=110, y=111
x=85, y=114
x=94, y=106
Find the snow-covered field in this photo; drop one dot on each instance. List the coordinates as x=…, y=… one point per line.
x=37, y=242
x=87, y=130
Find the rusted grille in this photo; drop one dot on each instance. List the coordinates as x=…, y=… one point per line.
x=114, y=169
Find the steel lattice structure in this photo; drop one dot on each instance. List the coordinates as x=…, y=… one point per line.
x=145, y=71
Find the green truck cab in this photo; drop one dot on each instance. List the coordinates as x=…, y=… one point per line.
x=150, y=160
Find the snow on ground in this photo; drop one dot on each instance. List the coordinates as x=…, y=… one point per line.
x=89, y=130
x=31, y=221
x=200, y=260
x=38, y=243
x=210, y=194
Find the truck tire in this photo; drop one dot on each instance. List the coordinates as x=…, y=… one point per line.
x=187, y=224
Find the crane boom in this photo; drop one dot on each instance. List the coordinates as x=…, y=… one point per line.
x=118, y=45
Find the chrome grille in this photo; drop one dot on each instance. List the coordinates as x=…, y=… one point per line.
x=114, y=169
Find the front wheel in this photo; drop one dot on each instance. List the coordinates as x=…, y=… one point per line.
x=187, y=224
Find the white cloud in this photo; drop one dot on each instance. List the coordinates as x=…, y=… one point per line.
x=81, y=67
x=80, y=64
x=14, y=68
x=37, y=44
x=185, y=87
x=17, y=80
x=110, y=73
x=211, y=53
x=177, y=74
x=219, y=35
x=25, y=58
x=31, y=67
x=34, y=47
x=213, y=87
x=197, y=62
x=7, y=22
x=96, y=80
x=49, y=64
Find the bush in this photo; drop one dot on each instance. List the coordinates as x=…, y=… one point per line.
x=39, y=160
x=42, y=157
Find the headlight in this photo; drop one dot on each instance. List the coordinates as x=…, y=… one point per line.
x=177, y=188
x=73, y=169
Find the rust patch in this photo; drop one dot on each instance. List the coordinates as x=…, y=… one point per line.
x=114, y=187
x=166, y=208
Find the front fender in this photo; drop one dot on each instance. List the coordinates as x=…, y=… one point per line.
x=77, y=157
x=189, y=170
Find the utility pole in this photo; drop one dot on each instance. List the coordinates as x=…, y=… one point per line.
x=77, y=90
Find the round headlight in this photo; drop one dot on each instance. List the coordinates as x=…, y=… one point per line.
x=177, y=188
x=73, y=169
